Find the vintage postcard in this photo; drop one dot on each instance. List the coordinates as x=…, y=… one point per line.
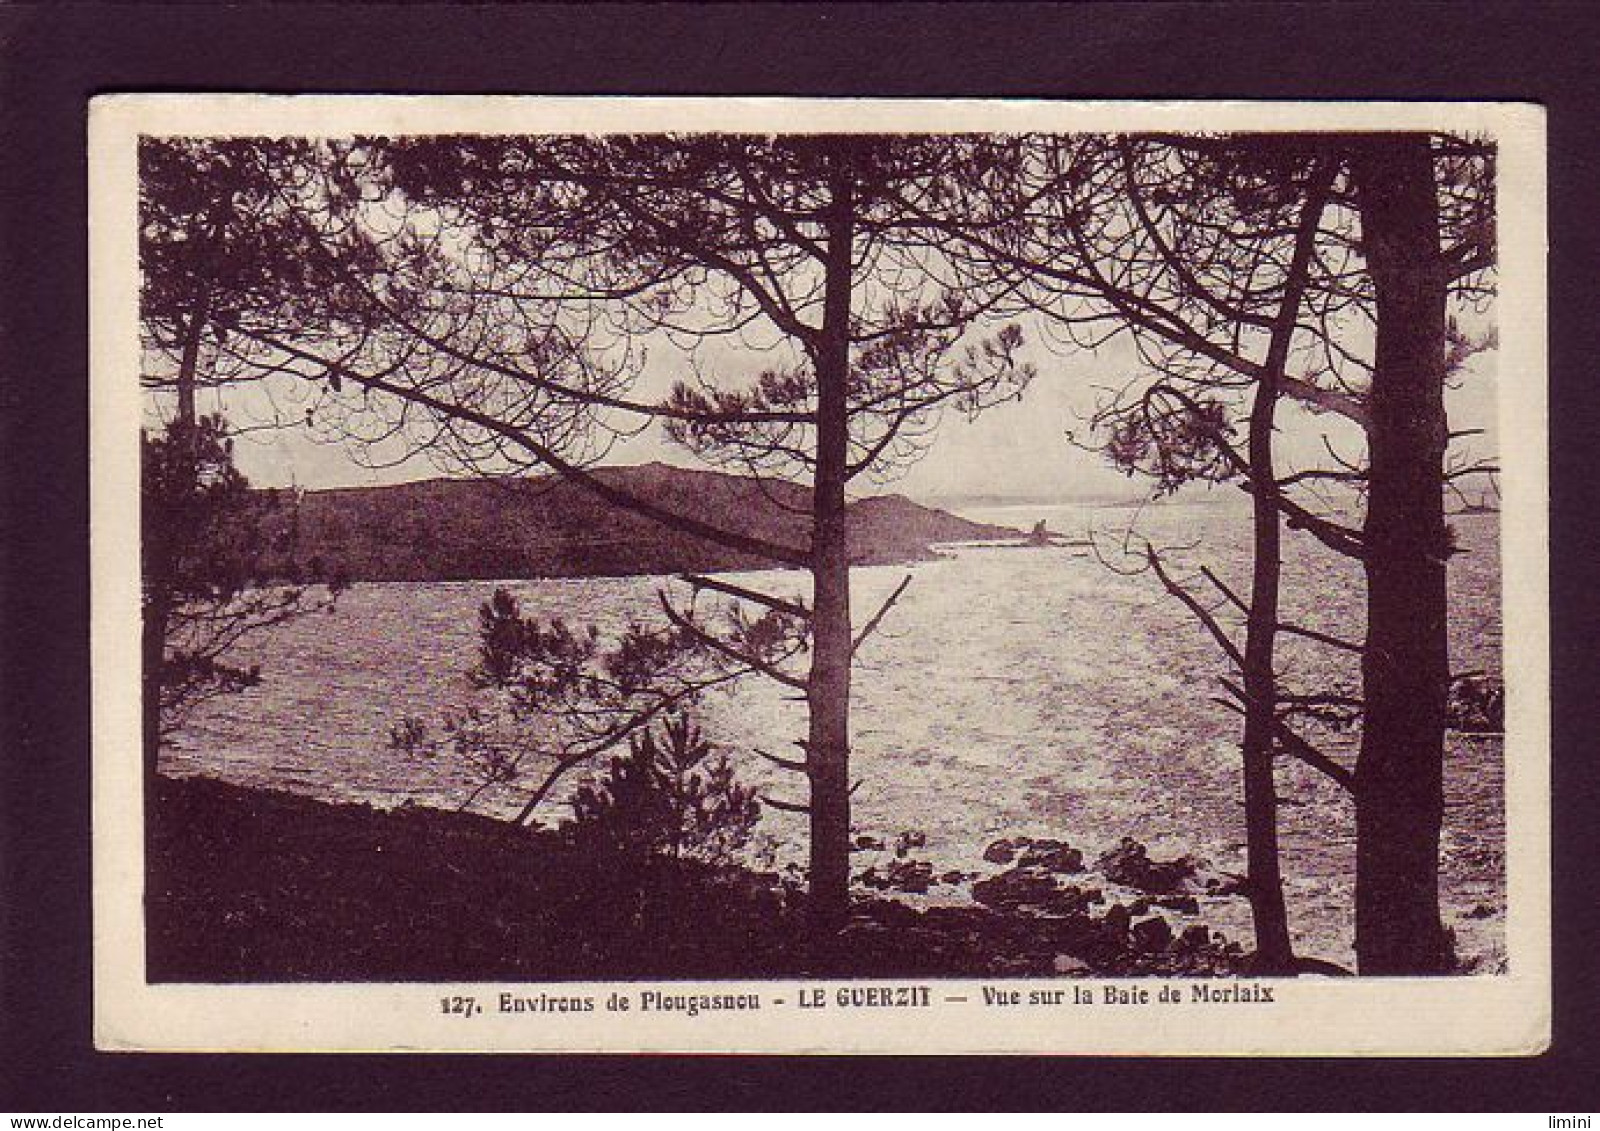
x=760, y=575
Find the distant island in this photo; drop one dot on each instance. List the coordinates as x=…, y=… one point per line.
x=547, y=526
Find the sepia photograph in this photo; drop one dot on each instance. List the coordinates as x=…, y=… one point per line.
x=735, y=575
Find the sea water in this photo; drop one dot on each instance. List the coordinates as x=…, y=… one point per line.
x=1011, y=690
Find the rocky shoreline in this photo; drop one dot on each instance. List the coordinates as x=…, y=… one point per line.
x=258, y=885
x=1120, y=914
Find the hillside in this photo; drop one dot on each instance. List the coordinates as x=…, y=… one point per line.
x=465, y=529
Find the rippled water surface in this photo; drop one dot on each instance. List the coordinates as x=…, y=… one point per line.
x=1011, y=690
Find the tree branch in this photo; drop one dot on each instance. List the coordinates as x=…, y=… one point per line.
x=794, y=765
x=1326, y=400
x=1299, y=748
x=790, y=608
x=759, y=546
x=724, y=648
x=877, y=617
x=1194, y=606
x=1319, y=637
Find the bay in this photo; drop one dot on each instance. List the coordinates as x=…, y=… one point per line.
x=1011, y=690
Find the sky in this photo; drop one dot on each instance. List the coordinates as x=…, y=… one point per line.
x=1019, y=450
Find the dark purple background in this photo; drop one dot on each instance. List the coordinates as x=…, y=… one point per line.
x=53, y=57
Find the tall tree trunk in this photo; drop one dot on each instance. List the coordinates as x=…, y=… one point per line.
x=1274, y=949
x=163, y=548
x=1405, y=666
x=828, y=688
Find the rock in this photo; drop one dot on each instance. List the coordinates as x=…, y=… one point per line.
x=869, y=844
x=1117, y=918
x=1182, y=904
x=1000, y=852
x=1052, y=856
x=1140, y=906
x=1071, y=965
x=1067, y=900
x=872, y=878
x=1151, y=935
x=909, y=839
x=1225, y=885
x=955, y=876
x=1075, y=933
x=1195, y=937
x=1477, y=705
x=913, y=876
x=1129, y=864
x=1482, y=911
x=1126, y=864
x=1014, y=888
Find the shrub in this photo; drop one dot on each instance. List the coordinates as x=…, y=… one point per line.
x=670, y=798
x=1477, y=704
x=218, y=566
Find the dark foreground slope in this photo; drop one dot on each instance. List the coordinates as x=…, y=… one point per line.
x=256, y=886
x=464, y=529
